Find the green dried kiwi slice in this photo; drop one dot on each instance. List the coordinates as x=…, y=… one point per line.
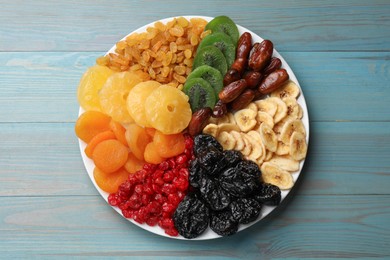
x=212, y=56
x=211, y=75
x=200, y=93
x=224, y=43
x=224, y=24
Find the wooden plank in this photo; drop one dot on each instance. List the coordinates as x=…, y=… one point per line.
x=306, y=227
x=48, y=83
x=40, y=159
x=297, y=26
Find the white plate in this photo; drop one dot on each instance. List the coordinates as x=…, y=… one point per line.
x=208, y=234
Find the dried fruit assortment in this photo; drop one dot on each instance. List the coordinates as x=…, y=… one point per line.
x=191, y=126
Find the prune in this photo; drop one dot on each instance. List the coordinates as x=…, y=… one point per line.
x=212, y=161
x=191, y=217
x=197, y=173
x=245, y=210
x=249, y=167
x=203, y=142
x=214, y=195
x=232, y=157
x=238, y=183
x=268, y=194
x=223, y=223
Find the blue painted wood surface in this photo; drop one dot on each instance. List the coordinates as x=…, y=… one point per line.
x=339, y=51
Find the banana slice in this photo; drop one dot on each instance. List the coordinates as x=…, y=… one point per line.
x=227, y=141
x=292, y=107
x=273, y=174
x=261, y=159
x=263, y=117
x=247, y=145
x=285, y=163
x=228, y=127
x=232, y=120
x=289, y=89
x=255, y=135
x=278, y=127
x=281, y=110
x=282, y=149
x=257, y=150
x=300, y=113
x=264, y=105
x=246, y=119
x=252, y=106
x=211, y=129
x=223, y=120
x=213, y=120
x=268, y=137
x=291, y=126
x=268, y=156
x=298, y=146
x=239, y=142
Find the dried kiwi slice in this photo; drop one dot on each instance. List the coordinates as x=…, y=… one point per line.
x=224, y=43
x=212, y=56
x=200, y=92
x=210, y=74
x=224, y=24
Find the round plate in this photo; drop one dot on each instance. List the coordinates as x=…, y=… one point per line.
x=208, y=234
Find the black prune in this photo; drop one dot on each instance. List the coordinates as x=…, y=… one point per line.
x=249, y=167
x=203, y=142
x=214, y=195
x=268, y=194
x=238, y=183
x=212, y=160
x=197, y=173
x=232, y=157
x=191, y=217
x=223, y=223
x=245, y=210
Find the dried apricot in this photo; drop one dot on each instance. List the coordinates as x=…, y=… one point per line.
x=90, y=123
x=151, y=154
x=133, y=164
x=169, y=145
x=137, y=139
x=110, y=155
x=109, y=182
x=119, y=131
x=100, y=137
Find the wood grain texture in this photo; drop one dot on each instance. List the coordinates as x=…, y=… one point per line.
x=337, y=86
x=293, y=25
x=307, y=227
x=44, y=159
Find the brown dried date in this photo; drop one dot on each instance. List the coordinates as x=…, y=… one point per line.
x=260, y=55
x=273, y=65
x=232, y=91
x=244, y=45
x=252, y=78
x=243, y=100
x=273, y=81
x=219, y=110
x=231, y=76
x=199, y=120
x=239, y=65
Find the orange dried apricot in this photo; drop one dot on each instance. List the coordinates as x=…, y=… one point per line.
x=119, y=131
x=151, y=155
x=90, y=123
x=109, y=182
x=100, y=137
x=137, y=139
x=110, y=155
x=169, y=145
x=133, y=164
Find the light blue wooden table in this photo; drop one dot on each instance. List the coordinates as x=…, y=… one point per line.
x=339, y=51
